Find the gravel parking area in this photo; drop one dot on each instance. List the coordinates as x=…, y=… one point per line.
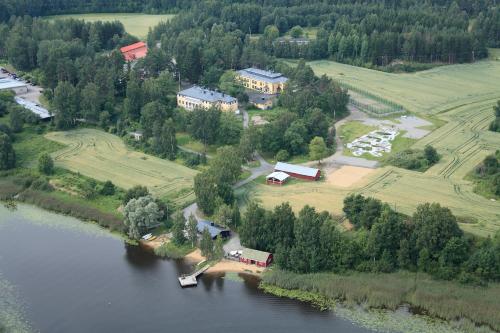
x=410, y=124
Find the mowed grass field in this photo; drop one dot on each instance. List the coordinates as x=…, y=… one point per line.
x=431, y=91
x=463, y=142
x=104, y=156
x=135, y=24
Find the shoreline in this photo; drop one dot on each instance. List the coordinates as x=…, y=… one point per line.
x=224, y=265
x=316, y=298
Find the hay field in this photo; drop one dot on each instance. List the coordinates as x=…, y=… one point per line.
x=104, y=156
x=430, y=91
x=463, y=142
x=347, y=176
x=135, y=23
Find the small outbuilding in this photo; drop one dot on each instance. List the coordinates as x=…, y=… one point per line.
x=134, y=51
x=262, y=101
x=298, y=171
x=256, y=257
x=277, y=177
x=214, y=229
x=137, y=135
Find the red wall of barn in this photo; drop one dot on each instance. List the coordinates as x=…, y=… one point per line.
x=296, y=175
x=258, y=263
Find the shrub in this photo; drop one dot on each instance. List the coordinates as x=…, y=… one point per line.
x=45, y=164
x=41, y=184
x=282, y=156
x=108, y=188
x=135, y=192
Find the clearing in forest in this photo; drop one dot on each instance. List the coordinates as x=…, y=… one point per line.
x=104, y=156
x=134, y=23
x=460, y=95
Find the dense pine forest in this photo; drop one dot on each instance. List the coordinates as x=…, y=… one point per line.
x=360, y=32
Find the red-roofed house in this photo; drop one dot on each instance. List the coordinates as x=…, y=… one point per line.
x=134, y=51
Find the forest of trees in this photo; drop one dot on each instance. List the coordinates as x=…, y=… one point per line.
x=371, y=33
x=383, y=240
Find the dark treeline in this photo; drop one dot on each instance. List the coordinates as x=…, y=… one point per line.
x=487, y=175
x=54, y=7
x=361, y=32
x=383, y=241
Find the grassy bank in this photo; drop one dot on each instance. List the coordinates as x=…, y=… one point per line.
x=61, y=202
x=450, y=301
x=172, y=251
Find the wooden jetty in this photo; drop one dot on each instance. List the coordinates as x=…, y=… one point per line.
x=190, y=280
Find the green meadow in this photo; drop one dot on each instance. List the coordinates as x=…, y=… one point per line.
x=135, y=24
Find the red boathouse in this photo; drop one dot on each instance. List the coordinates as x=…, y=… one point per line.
x=134, y=51
x=298, y=171
x=255, y=257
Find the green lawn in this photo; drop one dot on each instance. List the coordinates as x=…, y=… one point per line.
x=134, y=23
x=29, y=145
x=103, y=156
x=187, y=141
x=353, y=130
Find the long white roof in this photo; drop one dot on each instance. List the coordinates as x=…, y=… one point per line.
x=298, y=169
x=11, y=84
x=33, y=107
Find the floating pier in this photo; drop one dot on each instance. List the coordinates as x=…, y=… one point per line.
x=190, y=280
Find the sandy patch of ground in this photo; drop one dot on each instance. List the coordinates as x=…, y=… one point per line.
x=226, y=266
x=157, y=242
x=194, y=256
x=347, y=175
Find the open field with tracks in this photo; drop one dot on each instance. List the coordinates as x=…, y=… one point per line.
x=461, y=95
x=104, y=156
x=431, y=91
x=135, y=24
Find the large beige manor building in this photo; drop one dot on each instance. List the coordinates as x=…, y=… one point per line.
x=198, y=97
x=264, y=81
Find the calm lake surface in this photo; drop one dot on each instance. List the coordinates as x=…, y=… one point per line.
x=70, y=276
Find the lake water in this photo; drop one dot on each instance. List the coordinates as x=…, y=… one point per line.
x=62, y=275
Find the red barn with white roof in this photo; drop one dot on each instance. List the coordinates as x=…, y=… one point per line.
x=298, y=171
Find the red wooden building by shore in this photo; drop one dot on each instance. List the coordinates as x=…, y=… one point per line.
x=255, y=257
x=298, y=171
x=135, y=51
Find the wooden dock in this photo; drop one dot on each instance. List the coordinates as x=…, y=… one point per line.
x=190, y=280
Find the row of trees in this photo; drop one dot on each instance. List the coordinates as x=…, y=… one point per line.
x=488, y=175
x=383, y=240
x=54, y=7
x=212, y=37
x=495, y=124
x=415, y=159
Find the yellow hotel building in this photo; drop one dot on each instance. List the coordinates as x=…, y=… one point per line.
x=264, y=81
x=198, y=97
